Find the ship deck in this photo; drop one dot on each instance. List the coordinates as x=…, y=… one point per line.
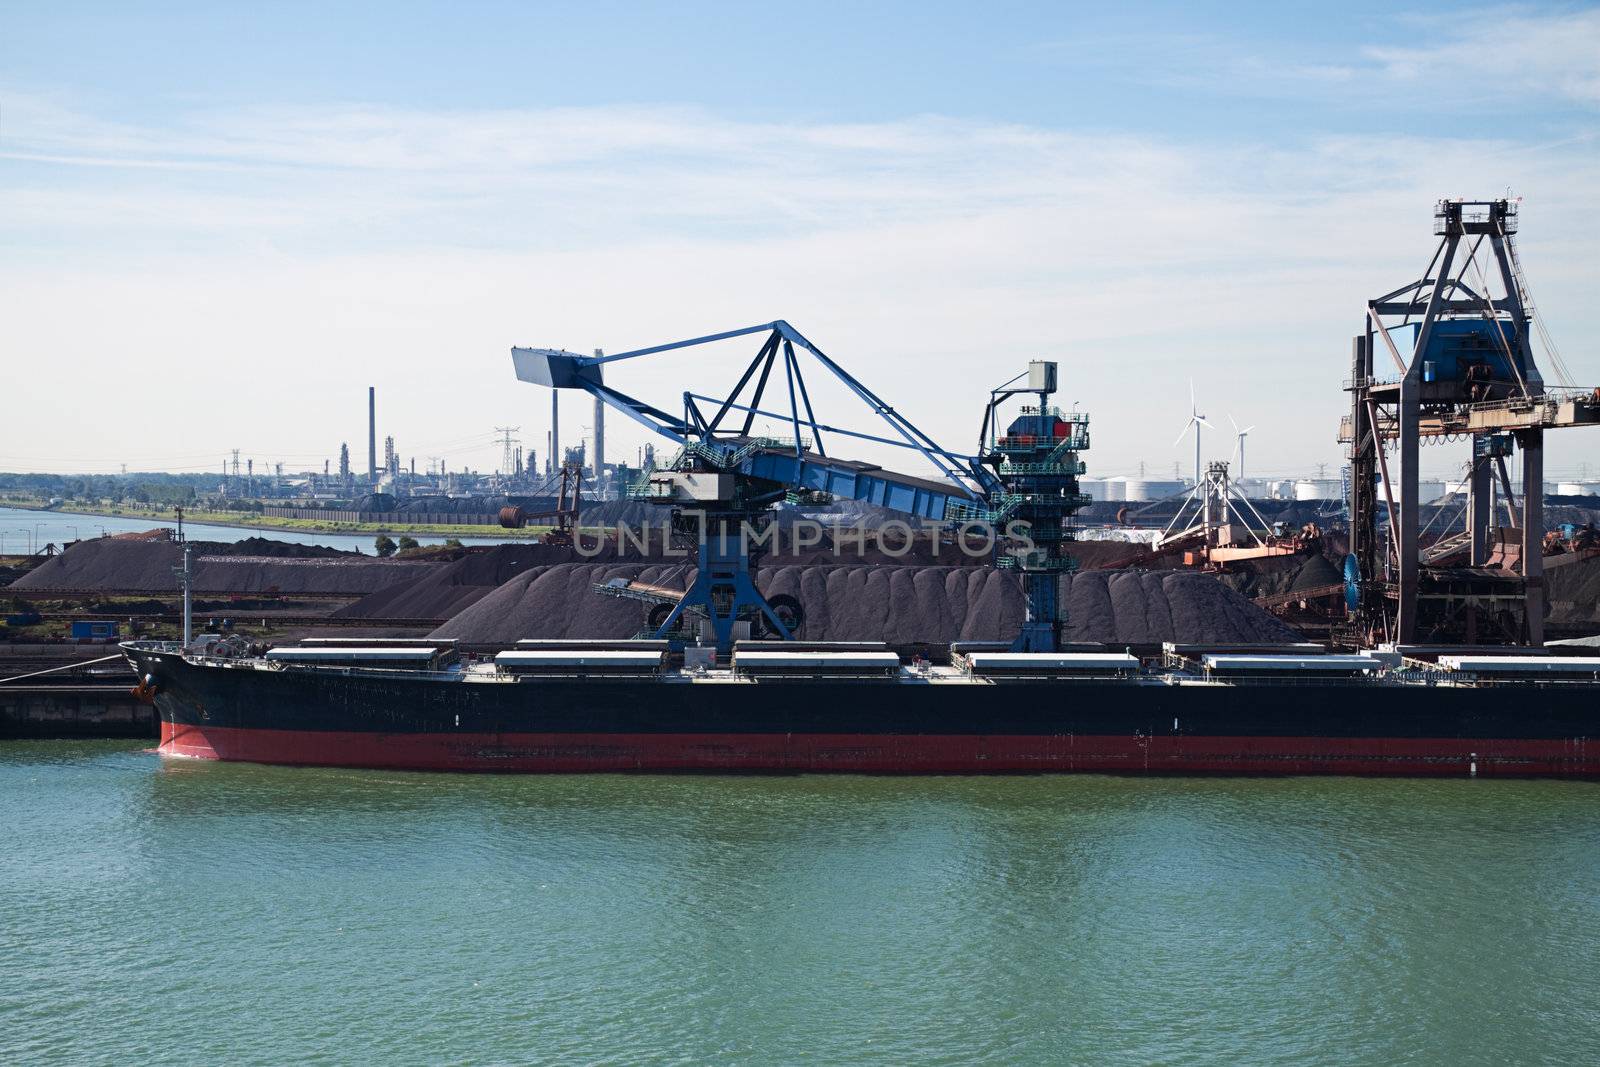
x=1410, y=675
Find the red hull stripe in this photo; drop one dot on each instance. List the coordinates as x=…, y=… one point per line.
x=888, y=754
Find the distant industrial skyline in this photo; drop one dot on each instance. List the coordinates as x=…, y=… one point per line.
x=222, y=226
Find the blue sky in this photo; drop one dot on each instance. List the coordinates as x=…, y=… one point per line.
x=1179, y=69
x=301, y=198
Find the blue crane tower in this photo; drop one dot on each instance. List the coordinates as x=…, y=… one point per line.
x=725, y=480
x=1036, y=462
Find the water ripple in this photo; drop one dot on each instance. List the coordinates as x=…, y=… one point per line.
x=200, y=912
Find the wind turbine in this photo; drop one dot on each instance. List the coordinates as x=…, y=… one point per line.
x=1196, y=420
x=1241, y=435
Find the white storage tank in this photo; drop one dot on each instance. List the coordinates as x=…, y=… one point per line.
x=1147, y=489
x=1427, y=491
x=1578, y=489
x=1254, y=488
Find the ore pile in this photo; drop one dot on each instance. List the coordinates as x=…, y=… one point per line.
x=1573, y=590
x=266, y=546
x=1274, y=575
x=112, y=565
x=902, y=605
x=450, y=588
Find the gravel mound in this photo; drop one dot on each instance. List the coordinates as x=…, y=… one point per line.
x=266, y=546
x=1266, y=576
x=450, y=588
x=1318, y=571
x=112, y=565
x=902, y=605
x=1573, y=590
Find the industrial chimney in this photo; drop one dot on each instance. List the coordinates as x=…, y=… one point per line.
x=372, y=434
x=555, y=430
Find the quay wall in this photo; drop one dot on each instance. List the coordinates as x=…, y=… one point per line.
x=74, y=711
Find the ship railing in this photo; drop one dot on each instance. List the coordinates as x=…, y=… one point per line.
x=154, y=646
x=567, y=676
x=1298, y=681
x=728, y=456
x=1524, y=683
x=347, y=671
x=1441, y=676
x=1048, y=466
x=1468, y=680
x=999, y=506
x=1063, y=678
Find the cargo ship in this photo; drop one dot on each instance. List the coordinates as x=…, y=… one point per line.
x=638, y=706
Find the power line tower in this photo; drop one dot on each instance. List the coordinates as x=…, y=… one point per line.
x=508, y=462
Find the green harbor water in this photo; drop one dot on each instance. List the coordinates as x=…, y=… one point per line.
x=192, y=912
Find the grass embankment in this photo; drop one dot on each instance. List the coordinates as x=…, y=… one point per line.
x=255, y=521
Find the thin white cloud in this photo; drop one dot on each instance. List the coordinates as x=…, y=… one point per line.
x=1466, y=61
x=255, y=270
x=1501, y=52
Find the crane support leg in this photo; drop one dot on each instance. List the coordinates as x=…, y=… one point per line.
x=722, y=588
x=1480, y=504
x=1532, y=443
x=1041, y=629
x=1407, y=539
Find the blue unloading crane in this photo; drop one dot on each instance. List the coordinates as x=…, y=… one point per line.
x=1036, y=460
x=725, y=481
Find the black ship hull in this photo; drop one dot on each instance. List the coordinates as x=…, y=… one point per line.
x=888, y=726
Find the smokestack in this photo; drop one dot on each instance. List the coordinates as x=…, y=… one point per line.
x=555, y=430
x=372, y=433
x=599, y=430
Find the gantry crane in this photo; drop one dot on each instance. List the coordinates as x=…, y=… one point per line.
x=725, y=480
x=1459, y=340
